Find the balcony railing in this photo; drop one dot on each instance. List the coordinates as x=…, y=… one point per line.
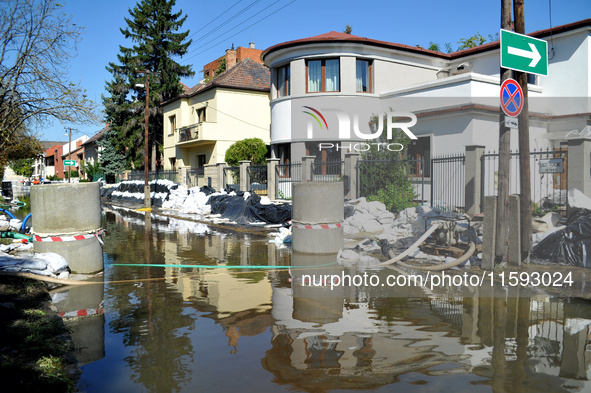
x=189, y=133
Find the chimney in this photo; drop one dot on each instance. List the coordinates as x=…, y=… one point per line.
x=251, y=45
x=230, y=58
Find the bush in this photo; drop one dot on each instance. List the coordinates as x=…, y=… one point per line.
x=251, y=149
x=396, y=197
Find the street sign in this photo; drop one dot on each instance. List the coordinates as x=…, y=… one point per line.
x=69, y=163
x=552, y=165
x=524, y=53
x=511, y=122
x=511, y=98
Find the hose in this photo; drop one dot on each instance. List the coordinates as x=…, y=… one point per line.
x=23, y=227
x=9, y=214
x=15, y=235
x=411, y=248
x=443, y=266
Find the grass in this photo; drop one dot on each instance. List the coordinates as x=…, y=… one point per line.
x=34, y=343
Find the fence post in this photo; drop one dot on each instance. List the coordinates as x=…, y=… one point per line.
x=351, y=160
x=473, y=180
x=489, y=235
x=244, y=178
x=272, y=178
x=182, y=177
x=209, y=171
x=579, y=162
x=220, y=175
x=515, y=231
x=307, y=168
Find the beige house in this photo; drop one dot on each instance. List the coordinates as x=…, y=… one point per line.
x=201, y=124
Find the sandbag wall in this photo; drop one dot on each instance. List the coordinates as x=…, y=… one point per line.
x=133, y=191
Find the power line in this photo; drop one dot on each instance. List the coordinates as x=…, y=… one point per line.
x=236, y=118
x=247, y=27
x=226, y=21
x=216, y=18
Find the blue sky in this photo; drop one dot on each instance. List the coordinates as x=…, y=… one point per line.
x=268, y=22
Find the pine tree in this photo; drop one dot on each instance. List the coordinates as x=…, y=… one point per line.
x=153, y=28
x=111, y=161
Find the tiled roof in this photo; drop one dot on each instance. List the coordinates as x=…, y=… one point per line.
x=245, y=75
x=335, y=36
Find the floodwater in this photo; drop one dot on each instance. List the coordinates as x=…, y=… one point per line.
x=197, y=329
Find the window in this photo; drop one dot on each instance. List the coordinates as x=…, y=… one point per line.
x=323, y=75
x=173, y=163
x=200, y=115
x=363, y=76
x=283, y=75
x=420, y=149
x=172, y=120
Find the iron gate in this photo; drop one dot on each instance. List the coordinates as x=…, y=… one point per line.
x=548, y=173
x=257, y=176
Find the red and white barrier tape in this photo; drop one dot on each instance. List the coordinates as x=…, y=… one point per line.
x=82, y=313
x=318, y=226
x=66, y=238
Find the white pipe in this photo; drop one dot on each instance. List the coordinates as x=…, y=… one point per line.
x=411, y=248
x=443, y=266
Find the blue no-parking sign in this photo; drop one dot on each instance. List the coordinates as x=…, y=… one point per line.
x=511, y=98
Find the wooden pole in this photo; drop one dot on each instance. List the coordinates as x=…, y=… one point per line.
x=524, y=156
x=502, y=229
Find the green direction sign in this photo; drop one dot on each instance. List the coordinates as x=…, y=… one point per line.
x=524, y=53
x=69, y=163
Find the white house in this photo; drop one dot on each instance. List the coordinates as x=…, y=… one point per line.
x=327, y=88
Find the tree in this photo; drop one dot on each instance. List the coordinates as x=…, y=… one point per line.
x=471, y=42
x=348, y=29
x=36, y=41
x=465, y=43
x=251, y=149
x=111, y=162
x=152, y=28
x=21, y=146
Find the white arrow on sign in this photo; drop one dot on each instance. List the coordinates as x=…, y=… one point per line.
x=534, y=55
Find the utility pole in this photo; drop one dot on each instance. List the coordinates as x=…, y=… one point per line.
x=524, y=156
x=502, y=229
x=69, y=148
x=147, y=199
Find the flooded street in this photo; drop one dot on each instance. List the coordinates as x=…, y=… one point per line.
x=210, y=328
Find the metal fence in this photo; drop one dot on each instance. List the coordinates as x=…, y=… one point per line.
x=548, y=173
x=394, y=182
x=286, y=175
x=257, y=175
x=232, y=177
x=448, y=182
x=328, y=170
x=153, y=175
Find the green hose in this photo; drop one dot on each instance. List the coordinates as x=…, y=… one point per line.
x=15, y=235
x=221, y=266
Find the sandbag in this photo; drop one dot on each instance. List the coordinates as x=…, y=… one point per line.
x=571, y=245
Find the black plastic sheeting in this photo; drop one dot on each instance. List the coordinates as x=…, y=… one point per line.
x=571, y=245
x=133, y=187
x=248, y=211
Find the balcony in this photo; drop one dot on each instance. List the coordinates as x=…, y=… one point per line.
x=190, y=133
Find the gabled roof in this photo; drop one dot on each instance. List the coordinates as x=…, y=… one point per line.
x=245, y=75
x=336, y=37
x=98, y=136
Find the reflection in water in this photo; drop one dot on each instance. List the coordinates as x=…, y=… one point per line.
x=177, y=329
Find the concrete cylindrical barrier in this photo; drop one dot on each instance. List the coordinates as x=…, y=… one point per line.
x=63, y=210
x=317, y=217
x=318, y=292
